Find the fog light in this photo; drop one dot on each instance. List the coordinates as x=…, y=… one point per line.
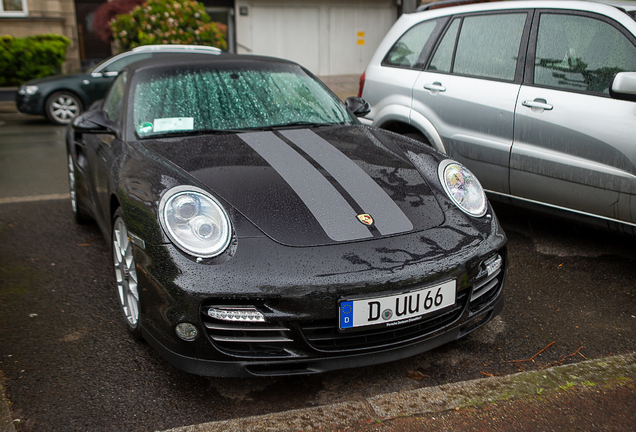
x=236, y=314
x=493, y=264
x=187, y=331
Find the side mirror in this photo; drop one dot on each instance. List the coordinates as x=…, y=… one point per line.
x=94, y=122
x=358, y=106
x=623, y=86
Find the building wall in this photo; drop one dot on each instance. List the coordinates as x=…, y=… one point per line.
x=46, y=16
x=328, y=37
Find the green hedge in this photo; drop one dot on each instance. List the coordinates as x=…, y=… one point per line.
x=22, y=59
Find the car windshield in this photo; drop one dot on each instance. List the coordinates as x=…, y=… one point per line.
x=220, y=99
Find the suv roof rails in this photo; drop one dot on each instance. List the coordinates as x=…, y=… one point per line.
x=177, y=47
x=449, y=3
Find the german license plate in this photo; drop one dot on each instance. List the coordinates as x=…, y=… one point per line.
x=396, y=309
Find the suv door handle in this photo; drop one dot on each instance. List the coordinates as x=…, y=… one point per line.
x=436, y=86
x=538, y=103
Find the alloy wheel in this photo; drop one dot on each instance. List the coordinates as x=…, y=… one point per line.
x=125, y=273
x=71, y=183
x=63, y=108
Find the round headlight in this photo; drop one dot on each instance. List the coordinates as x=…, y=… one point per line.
x=463, y=188
x=195, y=221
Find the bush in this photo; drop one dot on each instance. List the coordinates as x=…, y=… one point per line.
x=168, y=21
x=39, y=56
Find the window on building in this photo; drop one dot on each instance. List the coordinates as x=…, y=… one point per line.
x=13, y=7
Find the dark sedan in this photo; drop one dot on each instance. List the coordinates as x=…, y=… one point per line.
x=61, y=98
x=258, y=229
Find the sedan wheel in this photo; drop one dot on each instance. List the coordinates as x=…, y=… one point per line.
x=125, y=274
x=63, y=107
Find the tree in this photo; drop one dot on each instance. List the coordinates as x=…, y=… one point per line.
x=167, y=22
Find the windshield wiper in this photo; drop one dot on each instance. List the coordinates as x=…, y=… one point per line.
x=295, y=124
x=170, y=134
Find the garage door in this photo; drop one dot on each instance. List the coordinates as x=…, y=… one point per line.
x=287, y=32
x=328, y=38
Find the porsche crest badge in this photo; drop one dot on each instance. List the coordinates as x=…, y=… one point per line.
x=365, y=218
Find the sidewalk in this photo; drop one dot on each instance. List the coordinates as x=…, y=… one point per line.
x=591, y=395
x=342, y=85
x=8, y=107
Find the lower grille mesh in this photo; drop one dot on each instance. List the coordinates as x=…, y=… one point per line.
x=249, y=339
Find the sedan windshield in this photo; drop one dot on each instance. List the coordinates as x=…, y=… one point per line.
x=201, y=100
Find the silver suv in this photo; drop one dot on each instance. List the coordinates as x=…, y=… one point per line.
x=537, y=98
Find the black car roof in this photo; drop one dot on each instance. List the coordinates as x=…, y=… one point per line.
x=185, y=59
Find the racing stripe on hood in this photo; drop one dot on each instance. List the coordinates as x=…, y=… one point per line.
x=387, y=216
x=334, y=214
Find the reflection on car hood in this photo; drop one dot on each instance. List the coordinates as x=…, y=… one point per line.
x=305, y=187
x=73, y=78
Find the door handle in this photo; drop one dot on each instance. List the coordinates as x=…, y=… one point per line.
x=436, y=86
x=538, y=103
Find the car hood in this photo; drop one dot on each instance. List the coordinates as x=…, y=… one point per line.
x=307, y=187
x=57, y=78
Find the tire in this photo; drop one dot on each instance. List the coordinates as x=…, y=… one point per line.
x=418, y=137
x=125, y=274
x=79, y=215
x=62, y=107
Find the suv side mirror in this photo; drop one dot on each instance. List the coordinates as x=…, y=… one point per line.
x=358, y=106
x=623, y=86
x=94, y=122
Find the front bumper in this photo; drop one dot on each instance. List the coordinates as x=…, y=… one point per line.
x=313, y=365
x=30, y=104
x=298, y=290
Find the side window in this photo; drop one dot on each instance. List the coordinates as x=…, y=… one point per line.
x=580, y=53
x=443, y=57
x=121, y=63
x=407, y=51
x=488, y=45
x=115, y=97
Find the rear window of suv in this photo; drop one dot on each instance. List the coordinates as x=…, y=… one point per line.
x=412, y=49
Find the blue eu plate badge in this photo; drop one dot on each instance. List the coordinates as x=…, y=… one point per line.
x=346, y=314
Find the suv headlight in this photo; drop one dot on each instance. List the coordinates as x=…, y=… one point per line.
x=29, y=90
x=195, y=221
x=463, y=188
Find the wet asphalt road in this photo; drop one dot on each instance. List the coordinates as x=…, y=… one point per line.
x=68, y=364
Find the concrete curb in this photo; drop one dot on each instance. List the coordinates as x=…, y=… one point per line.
x=432, y=399
x=6, y=421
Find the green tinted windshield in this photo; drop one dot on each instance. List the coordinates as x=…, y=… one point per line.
x=197, y=99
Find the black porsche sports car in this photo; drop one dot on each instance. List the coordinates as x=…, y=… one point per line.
x=258, y=229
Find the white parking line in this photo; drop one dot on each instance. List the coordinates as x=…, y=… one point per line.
x=11, y=200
